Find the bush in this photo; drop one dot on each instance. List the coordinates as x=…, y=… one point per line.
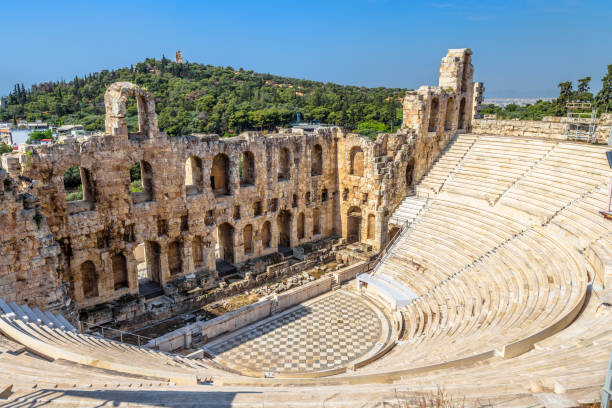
x=75, y=195
x=136, y=186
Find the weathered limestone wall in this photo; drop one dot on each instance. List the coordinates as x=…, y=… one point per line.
x=207, y=199
x=29, y=267
x=549, y=127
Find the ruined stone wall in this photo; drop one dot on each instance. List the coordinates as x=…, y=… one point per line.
x=174, y=218
x=372, y=182
x=437, y=113
x=29, y=255
x=549, y=127
x=205, y=199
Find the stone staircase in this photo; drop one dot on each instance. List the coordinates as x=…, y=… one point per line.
x=408, y=210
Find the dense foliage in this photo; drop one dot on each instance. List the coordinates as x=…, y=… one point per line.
x=602, y=101
x=194, y=98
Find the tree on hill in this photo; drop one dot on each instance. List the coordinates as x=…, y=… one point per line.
x=207, y=99
x=38, y=135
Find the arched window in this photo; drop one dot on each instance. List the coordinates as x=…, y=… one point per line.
x=284, y=164
x=316, y=221
x=197, y=252
x=120, y=272
x=246, y=167
x=175, y=258
x=356, y=161
x=461, y=122
x=324, y=195
x=433, y=115
x=371, y=226
x=450, y=110
x=79, y=189
x=141, y=182
x=194, y=177
x=219, y=175
x=225, y=243
x=300, y=226
x=316, y=160
x=89, y=279
x=266, y=235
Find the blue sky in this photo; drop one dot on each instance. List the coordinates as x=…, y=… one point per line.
x=521, y=48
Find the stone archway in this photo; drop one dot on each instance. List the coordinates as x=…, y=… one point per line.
x=353, y=225
x=225, y=243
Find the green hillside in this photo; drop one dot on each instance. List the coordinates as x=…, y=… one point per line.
x=200, y=98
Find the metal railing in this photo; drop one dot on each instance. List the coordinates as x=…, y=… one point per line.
x=122, y=335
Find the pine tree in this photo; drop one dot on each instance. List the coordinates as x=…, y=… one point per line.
x=603, y=100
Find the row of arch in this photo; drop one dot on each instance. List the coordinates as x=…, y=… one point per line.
x=224, y=250
x=142, y=185
x=89, y=275
x=434, y=113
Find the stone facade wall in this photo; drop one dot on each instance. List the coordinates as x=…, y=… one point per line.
x=207, y=198
x=29, y=255
x=549, y=127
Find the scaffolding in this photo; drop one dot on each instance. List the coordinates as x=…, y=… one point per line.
x=580, y=122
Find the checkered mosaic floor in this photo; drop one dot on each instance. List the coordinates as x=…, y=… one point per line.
x=321, y=335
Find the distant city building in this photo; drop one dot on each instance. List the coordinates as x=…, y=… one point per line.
x=6, y=136
x=67, y=131
x=516, y=101
x=178, y=58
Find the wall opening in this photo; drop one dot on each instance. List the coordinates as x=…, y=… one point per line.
x=194, y=176
x=450, y=108
x=266, y=235
x=410, y=172
x=78, y=186
x=324, y=195
x=461, y=123
x=316, y=221
x=433, y=115
x=219, y=175
x=371, y=226
x=284, y=164
x=141, y=182
x=284, y=229
x=356, y=161
x=175, y=258
x=89, y=279
x=197, y=251
x=300, y=226
x=353, y=225
x=246, y=168
x=224, y=250
x=257, y=208
x=316, y=160
x=120, y=272
x=393, y=233
x=247, y=238
x=148, y=267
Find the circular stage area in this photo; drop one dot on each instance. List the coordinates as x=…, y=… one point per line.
x=327, y=333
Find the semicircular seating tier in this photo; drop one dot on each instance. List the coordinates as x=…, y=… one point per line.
x=510, y=264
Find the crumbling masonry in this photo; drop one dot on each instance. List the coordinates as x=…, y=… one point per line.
x=207, y=201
